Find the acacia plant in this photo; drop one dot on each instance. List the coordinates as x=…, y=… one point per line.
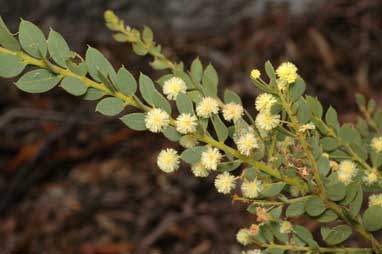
x=292, y=159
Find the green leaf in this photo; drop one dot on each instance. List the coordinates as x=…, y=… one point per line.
x=172, y=134
x=93, y=94
x=74, y=86
x=192, y=155
x=230, y=96
x=125, y=82
x=184, y=104
x=135, y=121
x=220, y=128
x=160, y=101
x=98, y=65
x=331, y=118
x=356, y=204
x=197, y=70
x=323, y=165
x=273, y=189
x=32, y=39
x=297, y=89
x=110, y=106
x=351, y=192
x=315, y=106
x=296, y=209
x=58, y=48
x=327, y=216
x=210, y=81
x=10, y=65
x=228, y=166
x=7, y=39
x=38, y=81
x=80, y=68
x=147, y=88
x=372, y=218
x=270, y=71
x=336, y=191
x=350, y=135
x=305, y=235
x=303, y=113
x=328, y=144
x=314, y=206
x=337, y=234
x=140, y=49
x=147, y=35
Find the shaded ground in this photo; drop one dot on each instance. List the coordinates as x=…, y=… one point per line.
x=75, y=182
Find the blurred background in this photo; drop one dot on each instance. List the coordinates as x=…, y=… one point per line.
x=73, y=181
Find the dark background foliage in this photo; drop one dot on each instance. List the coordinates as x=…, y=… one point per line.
x=72, y=181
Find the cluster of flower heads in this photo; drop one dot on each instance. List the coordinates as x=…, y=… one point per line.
x=247, y=141
x=246, y=236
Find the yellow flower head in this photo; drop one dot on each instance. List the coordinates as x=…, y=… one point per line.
x=376, y=144
x=168, y=160
x=186, y=123
x=346, y=171
x=286, y=227
x=247, y=143
x=282, y=85
x=267, y=121
x=225, y=183
x=255, y=74
x=173, y=86
x=211, y=158
x=207, y=107
x=199, y=170
x=188, y=141
x=243, y=236
x=251, y=189
x=232, y=111
x=156, y=120
x=287, y=72
x=306, y=127
x=264, y=102
x=375, y=200
x=371, y=177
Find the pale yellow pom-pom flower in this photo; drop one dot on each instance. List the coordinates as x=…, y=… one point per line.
x=156, y=120
x=186, y=123
x=267, y=121
x=243, y=236
x=371, y=177
x=375, y=200
x=376, y=144
x=287, y=72
x=286, y=227
x=225, y=183
x=173, y=86
x=232, y=111
x=251, y=189
x=199, y=170
x=207, y=107
x=264, y=102
x=211, y=158
x=255, y=74
x=168, y=160
x=246, y=143
x=346, y=171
